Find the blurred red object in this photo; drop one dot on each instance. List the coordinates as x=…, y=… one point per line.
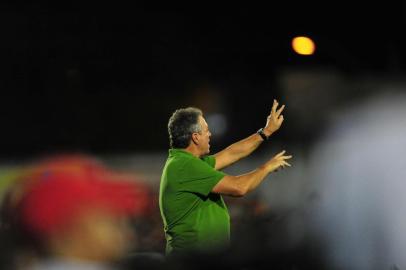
x=56, y=190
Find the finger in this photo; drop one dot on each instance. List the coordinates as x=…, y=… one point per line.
x=280, y=120
x=280, y=153
x=278, y=112
x=274, y=106
x=285, y=164
x=282, y=166
x=287, y=157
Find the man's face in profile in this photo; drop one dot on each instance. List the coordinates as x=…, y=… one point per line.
x=204, y=139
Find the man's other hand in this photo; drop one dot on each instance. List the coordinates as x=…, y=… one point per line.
x=274, y=119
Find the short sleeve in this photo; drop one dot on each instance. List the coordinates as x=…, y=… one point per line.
x=211, y=160
x=199, y=175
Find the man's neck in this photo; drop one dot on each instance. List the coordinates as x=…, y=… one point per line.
x=193, y=150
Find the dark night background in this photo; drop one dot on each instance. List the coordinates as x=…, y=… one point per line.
x=105, y=78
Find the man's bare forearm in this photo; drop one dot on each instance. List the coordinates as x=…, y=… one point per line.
x=246, y=146
x=242, y=184
x=238, y=150
x=251, y=180
x=243, y=148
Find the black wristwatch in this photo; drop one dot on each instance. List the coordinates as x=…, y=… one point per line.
x=262, y=134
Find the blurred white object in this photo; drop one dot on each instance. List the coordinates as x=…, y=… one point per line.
x=360, y=172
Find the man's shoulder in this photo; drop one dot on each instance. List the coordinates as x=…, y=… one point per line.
x=207, y=158
x=187, y=162
x=177, y=162
x=210, y=160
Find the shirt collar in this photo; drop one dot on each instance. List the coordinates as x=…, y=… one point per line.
x=177, y=151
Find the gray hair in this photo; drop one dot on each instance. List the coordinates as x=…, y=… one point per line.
x=182, y=124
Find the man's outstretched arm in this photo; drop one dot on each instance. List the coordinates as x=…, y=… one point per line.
x=243, y=148
x=240, y=185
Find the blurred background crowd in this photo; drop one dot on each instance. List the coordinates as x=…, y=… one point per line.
x=87, y=92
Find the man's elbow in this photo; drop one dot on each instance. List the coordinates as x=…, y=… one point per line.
x=230, y=188
x=240, y=191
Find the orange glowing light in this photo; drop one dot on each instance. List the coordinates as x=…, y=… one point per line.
x=303, y=45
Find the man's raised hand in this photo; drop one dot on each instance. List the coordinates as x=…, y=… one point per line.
x=274, y=119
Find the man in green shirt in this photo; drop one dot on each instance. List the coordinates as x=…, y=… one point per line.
x=194, y=214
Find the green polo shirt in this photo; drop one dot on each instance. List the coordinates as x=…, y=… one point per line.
x=194, y=218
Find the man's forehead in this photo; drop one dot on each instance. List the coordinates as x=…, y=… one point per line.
x=202, y=121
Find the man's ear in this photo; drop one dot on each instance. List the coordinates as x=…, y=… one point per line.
x=195, y=138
